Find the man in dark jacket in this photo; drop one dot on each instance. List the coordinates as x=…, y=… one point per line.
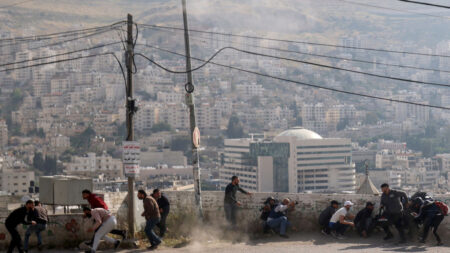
x=164, y=209
x=393, y=202
x=431, y=216
x=277, y=218
x=152, y=217
x=363, y=220
x=15, y=218
x=40, y=216
x=230, y=202
x=325, y=216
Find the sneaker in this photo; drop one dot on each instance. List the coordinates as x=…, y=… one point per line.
x=421, y=241
x=439, y=244
x=284, y=236
x=116, y=244
x=364, y=234
x=40, y=247
x=340, y=237
x=324, y=232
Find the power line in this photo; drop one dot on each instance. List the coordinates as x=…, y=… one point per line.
x=326, y=56
x=15, y=4
x=53, y=35
x=393, y=9
x=181, y=72
x=305, y=84
x=318, y=65
x=61, y=54
x=428, y=4
x=338, y=68
x=62, y=42
x=295, y=41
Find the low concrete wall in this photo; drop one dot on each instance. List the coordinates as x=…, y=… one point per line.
x=68, y=230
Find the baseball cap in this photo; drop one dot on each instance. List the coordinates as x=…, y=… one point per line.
x=348, y=203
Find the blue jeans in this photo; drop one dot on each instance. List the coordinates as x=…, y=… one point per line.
x=282, y=223
x=38, y=228
x=152, y=237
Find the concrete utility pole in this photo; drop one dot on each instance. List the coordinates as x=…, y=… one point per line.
x=194, y=132
x=131, y=109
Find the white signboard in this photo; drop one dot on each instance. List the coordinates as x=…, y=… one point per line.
x=131, y=152
x=131, y=170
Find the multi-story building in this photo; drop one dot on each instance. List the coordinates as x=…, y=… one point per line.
x=91, y=165
x=248, y=91
x=3, y=134
x=443, y=161
x=146, y=116
x=297, y=160
x=16, y=181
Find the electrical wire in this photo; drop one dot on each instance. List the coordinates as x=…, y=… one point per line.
x=423, y=3
x=393, y=9
x=323, y=56
x=302, y=83
x=62, y=42
x=61, y=54
x=15, y=4
x=51, y=35
x=294, y=41
x=337, y=68
x=310, y=63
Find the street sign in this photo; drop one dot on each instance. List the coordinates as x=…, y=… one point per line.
x=131, y=170
x=196, y=137
x=131, y=152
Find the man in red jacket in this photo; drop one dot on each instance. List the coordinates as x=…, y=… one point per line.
x=94, y=200
x=97, y=202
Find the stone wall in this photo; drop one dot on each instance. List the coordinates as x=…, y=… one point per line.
x=69, y=229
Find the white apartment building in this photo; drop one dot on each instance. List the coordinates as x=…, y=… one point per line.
x=443, y=162
x=170, y=97
x=296, y=160
x=91, y=165
x=146, y=117
x=248, y=91
x=208, y=116
x=3, y=134
x=16, y=181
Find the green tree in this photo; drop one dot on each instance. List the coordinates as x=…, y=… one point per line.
x=371, y=118
x=83, y=140
x=234, y=129
x=180, y=143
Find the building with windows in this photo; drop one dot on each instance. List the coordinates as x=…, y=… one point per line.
x=92, y=165
x=16, y=181
x=296, y=160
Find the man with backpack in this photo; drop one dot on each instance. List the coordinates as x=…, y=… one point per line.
x=431, y=213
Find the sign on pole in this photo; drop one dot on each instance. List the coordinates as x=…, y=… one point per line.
x=196, y=137
x=131, y=158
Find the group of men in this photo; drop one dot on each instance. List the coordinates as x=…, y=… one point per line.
x=395, y=208
x=32, y=214
x=156, y=210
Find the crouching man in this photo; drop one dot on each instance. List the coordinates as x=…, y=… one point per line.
x=104, y=224
x=277, y=217
x=363, y=220
x=338, y=222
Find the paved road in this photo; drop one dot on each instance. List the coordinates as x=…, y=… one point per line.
x=298, y=244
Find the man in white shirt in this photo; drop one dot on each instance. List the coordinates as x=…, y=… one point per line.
x=338, y=223
x=104, y=223
x=277, y=217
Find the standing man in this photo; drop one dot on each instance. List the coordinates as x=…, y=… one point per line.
x=325, y=216
x=152, y=217
x=15, y=218
x=393, y=202
x=97, y=202
x=40, y=216
x=363, y=220
x=104, y=223
x=338, y=223
x=230, y=202
x=164, y=209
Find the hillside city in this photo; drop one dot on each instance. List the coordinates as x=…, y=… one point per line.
x=68, y=118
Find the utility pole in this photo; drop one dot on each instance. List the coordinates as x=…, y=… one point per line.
x=131, y=109
x=194, y=132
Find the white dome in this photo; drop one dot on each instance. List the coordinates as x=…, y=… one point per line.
x=300, y=133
